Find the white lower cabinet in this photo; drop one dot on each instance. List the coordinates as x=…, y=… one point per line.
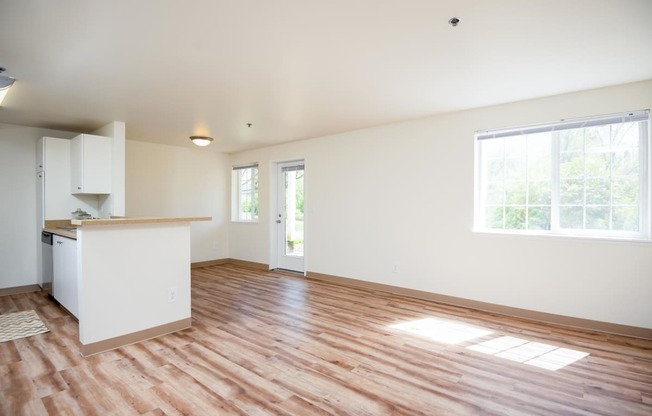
x=65, y=286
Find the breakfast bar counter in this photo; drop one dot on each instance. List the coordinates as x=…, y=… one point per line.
x=136, y=220
x=134, y=279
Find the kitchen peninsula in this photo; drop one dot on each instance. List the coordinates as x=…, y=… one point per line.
x=134, y=279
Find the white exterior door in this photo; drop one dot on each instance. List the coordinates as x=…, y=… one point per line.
x=290, y=220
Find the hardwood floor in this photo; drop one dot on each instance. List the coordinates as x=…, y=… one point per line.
x=272, y=343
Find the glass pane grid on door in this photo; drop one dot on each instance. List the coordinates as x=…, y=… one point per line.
x=294, y=214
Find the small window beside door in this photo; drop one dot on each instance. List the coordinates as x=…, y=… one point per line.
x=244, y=193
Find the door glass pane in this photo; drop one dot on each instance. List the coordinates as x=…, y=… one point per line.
x=294, y=212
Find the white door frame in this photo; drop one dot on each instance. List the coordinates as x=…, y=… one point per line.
x=273, y=214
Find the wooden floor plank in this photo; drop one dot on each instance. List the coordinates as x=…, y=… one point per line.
x=274, y=343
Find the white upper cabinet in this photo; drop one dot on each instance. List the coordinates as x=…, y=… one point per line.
x=90, y=163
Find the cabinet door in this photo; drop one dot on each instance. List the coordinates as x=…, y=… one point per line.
x=76, y=165
x=58, y=269
x=90, y=164
x=40, y=199
x=40, y=155
x=57, y=181
x=64, y=282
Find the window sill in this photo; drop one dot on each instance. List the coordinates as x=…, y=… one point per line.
x=547, y=236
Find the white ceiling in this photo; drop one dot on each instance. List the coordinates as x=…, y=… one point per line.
x=297, y=69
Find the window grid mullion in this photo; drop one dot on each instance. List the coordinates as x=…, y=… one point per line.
x=243, y=178
x=240, y=172
x=555, y=154
x=252, y=192
x=584, y=179
x=504, y=183
x=612, y=146
x=645, y=187
x=527, y=182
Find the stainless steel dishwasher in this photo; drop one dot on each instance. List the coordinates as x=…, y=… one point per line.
x=46, y=282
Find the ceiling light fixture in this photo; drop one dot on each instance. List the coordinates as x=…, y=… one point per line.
x=201, y=140
x=5, y=83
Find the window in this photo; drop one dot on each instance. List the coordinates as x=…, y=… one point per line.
x=586, y=177
x=244, y=197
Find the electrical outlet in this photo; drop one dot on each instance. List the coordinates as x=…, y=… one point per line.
x=395, y=268
x=172, y=294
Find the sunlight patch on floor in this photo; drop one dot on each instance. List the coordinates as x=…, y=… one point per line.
x=537, y=354
x=523, y=351
x=442, y=330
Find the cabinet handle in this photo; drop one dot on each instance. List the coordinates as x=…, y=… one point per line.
x=59, y=242
x=79, y=187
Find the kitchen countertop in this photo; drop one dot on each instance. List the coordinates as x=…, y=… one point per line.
x=136, y=220
x=60, y=227
x=62, y=232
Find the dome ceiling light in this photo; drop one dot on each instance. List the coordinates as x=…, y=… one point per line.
x=201, y=140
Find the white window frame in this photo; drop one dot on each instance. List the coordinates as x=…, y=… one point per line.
x=236, y=193
x=645, y=180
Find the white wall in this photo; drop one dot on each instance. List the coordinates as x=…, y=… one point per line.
x=19, y=235
x=170, y=181
x=403, y=193
x=114, y=204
